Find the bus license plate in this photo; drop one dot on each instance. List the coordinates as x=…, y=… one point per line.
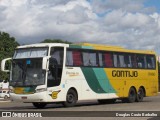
x=24, y=98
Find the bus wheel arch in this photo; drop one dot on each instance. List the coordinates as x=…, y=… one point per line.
x=71, y=97
x=140, y=94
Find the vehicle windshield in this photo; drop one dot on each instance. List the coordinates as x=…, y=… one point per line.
x=30, y=53
x=27, y=67
x=27, y=72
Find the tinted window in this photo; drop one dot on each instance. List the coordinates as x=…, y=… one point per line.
x=109, y=59
x=57, y=54
x=69, y=58
x=122, y=60
x=141, y=61
x=150, y=61
x=128, y=60
x=115, y=60
x=89, y=59
x=133, y=61
x=77, y=58
x=73, y=58
x=108, y=62
x=101, y=61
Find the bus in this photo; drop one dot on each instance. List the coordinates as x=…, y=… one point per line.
x=47, y=73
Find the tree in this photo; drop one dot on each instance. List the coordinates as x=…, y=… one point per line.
x=7, y=46
x=55, y=41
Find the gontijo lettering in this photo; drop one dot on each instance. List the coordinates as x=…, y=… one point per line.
x=121, y=73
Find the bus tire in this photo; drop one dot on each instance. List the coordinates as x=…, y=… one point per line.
x=71, y=98
x=39, y=105
x=131, y=95
x=107, y=101
x=140, y=95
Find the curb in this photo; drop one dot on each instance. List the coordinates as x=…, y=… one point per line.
x=5, y=101
x=2, y=100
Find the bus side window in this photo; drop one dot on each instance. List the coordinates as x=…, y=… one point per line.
x=101, y=62
x=93, y=59
x=116, y=60
x=89, y=58
x=122, y=61
x=127, y=60
x=57, y=53
x=108, y=60
x=133, y=61
x=150, y=61
x=69, y=58
x=77, y=59
x=141, y=61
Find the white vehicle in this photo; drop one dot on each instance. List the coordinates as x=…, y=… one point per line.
x=4, y=93
x=62, y=73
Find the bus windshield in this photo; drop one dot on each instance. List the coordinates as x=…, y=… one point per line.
x=27, y=66
x=30, y=53
x=27, y=72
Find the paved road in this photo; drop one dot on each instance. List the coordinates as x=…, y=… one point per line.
x=149, y=104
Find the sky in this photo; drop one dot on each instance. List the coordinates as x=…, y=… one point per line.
x=133, y=24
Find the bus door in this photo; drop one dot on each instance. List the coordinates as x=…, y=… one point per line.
x=55, y=66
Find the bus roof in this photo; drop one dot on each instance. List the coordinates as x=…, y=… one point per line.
x=43, y=45
x=88, y=46
x=109, y=48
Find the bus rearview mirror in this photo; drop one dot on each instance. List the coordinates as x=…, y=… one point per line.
x=44, y=62
x=3, y=65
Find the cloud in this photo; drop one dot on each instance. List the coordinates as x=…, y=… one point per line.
x=100, y=6
x=125, y=23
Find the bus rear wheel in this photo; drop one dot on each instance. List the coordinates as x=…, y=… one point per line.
x=71, y=98
x=140, y=95
x=39, y=105
x=131, y=96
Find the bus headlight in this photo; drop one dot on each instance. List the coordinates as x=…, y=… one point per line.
x=41, y=90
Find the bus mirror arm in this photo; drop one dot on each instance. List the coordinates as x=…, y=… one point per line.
x=45, y=62
x=3, y=64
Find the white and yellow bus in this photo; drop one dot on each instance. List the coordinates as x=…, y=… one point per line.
x=61, y=73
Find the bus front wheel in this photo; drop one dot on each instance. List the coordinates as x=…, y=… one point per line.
x=71, y=98
x=39, y=105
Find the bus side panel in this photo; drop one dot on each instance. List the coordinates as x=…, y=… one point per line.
x=98, y=82
x=75, y=79
x=91, y=83
x=122, y=80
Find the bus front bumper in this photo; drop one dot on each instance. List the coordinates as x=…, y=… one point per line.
x=36, y=97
